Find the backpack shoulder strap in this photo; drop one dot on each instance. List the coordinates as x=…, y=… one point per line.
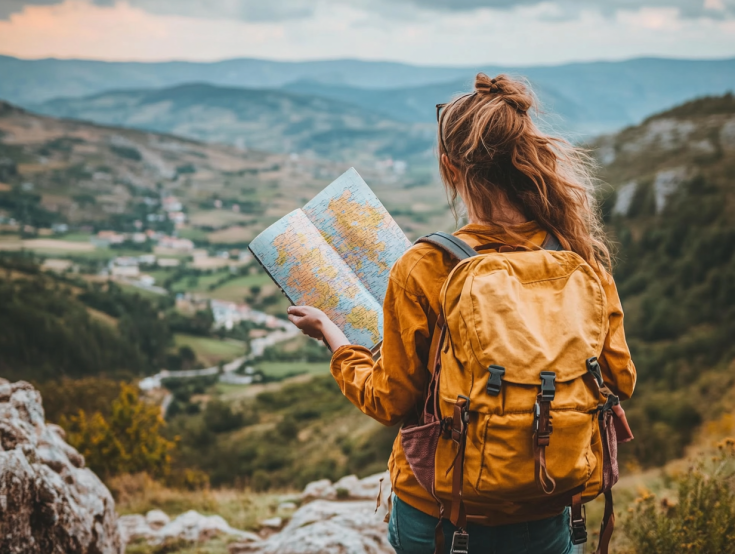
x=459, y=249
x=455, y=247
x=551, y=243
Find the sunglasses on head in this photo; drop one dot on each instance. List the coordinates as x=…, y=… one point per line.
x=440, y=113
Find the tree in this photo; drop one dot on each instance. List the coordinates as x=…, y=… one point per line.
x=129, y=441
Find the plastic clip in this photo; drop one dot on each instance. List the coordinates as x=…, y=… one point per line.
x=460, y=542
x=495, y=381
x=593, y=366
x=548, y=386
x=579, y=529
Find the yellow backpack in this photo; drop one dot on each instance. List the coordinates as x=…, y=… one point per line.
x=517, y=416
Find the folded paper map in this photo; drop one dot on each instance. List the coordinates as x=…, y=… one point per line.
x=335, y=254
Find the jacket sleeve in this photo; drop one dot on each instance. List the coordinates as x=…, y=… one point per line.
x=391, y=389
x=618, y=370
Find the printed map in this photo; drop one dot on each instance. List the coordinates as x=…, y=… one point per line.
x=355, y=223
x=336, y=255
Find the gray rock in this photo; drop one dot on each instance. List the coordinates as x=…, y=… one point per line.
x=156, y=527
x=333, y=527
x=49, y=502
x=272, y=523
x=157, y=519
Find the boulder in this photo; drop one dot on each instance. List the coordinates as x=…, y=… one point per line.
x=333, y=527
x=49, y=502
x=157, y=519
x=190, y=526
x=349, y=487
x=193, y=526
x=272, y=523
x=319, y=489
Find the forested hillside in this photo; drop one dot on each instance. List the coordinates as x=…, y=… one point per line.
x=672, y=212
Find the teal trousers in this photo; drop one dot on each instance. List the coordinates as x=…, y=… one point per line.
x=411, y=531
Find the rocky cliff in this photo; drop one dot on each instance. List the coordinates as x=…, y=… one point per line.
x=49, y=502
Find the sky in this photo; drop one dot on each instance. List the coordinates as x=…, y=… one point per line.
x=426, y=32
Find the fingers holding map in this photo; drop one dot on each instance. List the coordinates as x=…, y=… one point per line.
x=335, y=254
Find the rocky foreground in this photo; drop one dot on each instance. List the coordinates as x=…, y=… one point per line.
x=51, y=504
x=355, y=524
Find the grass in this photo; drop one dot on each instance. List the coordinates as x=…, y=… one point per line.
x=217, y=545
x=202, y=282
x=241, y=508
x=197, y=235
x=77, y=237
x=280, y=370
x=209, y=351
x=160, y=275
x=131, y=289
x=218, y=218
x=232, y=235
x=237, y=289
x=54, y=246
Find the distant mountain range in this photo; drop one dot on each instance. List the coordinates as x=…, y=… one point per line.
x=270, y=120
x=589, y=98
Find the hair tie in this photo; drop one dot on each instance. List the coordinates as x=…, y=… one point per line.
x=491, y=88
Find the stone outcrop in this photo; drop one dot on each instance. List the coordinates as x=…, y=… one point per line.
x=354, y=525
x=156, y=527
x=49, y=502
x=346, y=517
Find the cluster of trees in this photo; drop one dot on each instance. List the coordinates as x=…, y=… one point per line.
x=45, y=331
x=128, y=439
x=139, y=320
x=676, y=277
x=274, y=454
x=108, y=422
x=26, y=208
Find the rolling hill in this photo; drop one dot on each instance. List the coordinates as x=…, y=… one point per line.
x=271, y=120
x=671, y=208
x=592, y=97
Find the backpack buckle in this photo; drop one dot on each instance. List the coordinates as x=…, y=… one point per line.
x=611, y=401
x=593, y=366
x=495, y=381
x=579, y=528
x=465, y=409
x=548, y=386
x=460, y=542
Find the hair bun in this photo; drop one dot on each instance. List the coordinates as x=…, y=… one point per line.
x=486, y=85
x=513, y=92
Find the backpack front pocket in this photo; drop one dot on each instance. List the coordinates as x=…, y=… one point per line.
x=507, y=467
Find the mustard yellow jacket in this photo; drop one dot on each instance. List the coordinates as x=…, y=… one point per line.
x=392, y=389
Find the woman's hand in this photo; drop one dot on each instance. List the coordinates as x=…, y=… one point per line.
x=314, y=323
x=309, y=319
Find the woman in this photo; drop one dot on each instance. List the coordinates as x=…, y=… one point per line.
x=517, y=185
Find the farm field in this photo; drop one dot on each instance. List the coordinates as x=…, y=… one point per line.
x=210, y=351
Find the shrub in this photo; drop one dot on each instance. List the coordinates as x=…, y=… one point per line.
x=220, y=417
x=128, y=441
x=701, y=520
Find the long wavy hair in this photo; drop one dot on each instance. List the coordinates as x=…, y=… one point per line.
x=503, y=157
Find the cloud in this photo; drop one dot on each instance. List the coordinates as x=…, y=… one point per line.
x=8, y=7
x=285, y=10
x=523, y=36
x=687, y=8
x=246, y=10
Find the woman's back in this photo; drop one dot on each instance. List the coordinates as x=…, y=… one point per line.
x=516, y=184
